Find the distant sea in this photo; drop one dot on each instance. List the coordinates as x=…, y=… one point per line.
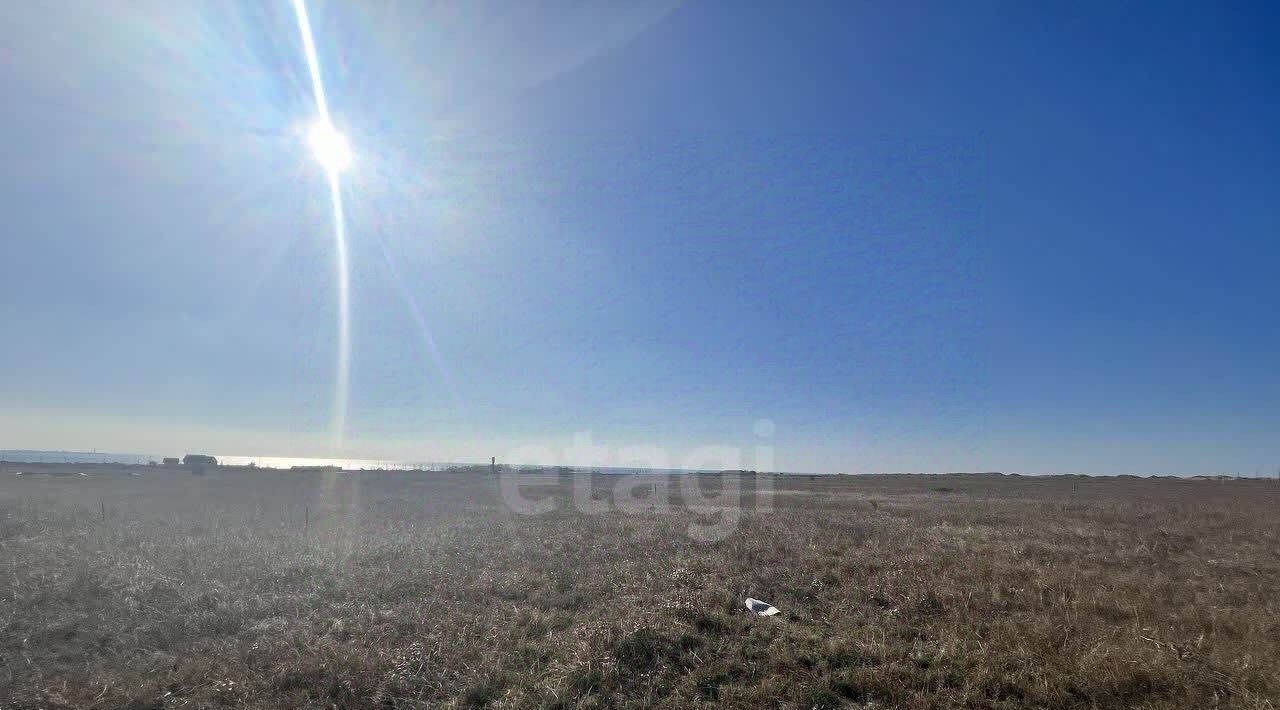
x=29, y=456
x=280, y=462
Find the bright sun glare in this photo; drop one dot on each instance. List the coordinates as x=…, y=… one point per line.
x=329, y=146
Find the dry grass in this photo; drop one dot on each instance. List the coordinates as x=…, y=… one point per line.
x=412, y=590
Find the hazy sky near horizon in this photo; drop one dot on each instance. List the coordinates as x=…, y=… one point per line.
x=1036, y=237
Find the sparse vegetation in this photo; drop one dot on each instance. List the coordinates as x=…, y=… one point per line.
x=423, y=590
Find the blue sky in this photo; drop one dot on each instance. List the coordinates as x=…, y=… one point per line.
x=916, y=237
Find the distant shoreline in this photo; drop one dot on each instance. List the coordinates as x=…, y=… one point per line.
x=34, y=457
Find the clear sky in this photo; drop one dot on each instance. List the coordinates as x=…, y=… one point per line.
x=1035, y=237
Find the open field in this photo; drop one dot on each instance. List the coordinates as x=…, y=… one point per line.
x=276, y=589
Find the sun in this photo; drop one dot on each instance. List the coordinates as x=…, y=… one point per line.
x=329, y=147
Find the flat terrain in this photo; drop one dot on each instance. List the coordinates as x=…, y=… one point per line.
x=156, y=588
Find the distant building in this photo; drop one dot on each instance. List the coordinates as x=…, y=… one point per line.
x=171, y=461
x=199, y=460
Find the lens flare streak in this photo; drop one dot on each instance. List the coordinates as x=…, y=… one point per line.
x=313, y=64
x=342, y=384
x=332, y=168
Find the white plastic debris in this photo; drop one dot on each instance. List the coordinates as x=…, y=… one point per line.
x=760, y=608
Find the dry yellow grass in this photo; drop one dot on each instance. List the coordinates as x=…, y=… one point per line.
x=425, y=590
